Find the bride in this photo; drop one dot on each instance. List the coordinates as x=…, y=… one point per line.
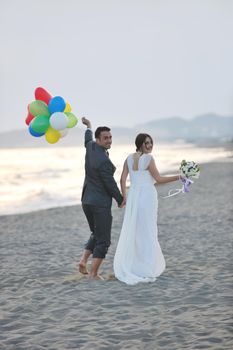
x=138, y=256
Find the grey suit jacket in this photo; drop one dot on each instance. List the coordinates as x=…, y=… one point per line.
x=99, y=185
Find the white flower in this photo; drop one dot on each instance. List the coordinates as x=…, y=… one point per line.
x=189, y=169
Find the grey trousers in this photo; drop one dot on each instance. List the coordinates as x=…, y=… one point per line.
x=100, y=223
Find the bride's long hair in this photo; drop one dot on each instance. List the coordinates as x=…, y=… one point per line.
x=140, y=139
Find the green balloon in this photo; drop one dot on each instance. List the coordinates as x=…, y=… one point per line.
x=72, y=120
x=39, y=108
x=40, y=123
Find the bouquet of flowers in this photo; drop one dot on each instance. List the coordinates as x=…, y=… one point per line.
x=188, y=170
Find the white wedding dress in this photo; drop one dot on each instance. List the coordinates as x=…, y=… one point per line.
x=138, y=256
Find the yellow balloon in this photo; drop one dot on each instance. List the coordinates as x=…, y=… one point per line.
x=68, y=107
x=52, y=136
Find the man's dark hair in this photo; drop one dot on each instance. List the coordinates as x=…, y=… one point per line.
x=99, y=130
x=140, y=138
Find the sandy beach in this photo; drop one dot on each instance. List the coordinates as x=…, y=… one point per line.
x=46, y=304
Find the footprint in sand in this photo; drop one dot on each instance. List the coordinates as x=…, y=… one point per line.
x=75, y=277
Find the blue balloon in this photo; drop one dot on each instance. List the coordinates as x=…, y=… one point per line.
x=56, y=104
x=34, y=133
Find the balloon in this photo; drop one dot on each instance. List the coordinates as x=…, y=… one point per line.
x=49, y=116
x=40, y=123
x=58, y=121
x=52, y=136
x=56, y=104
x=42, y=95
x=72, y=120
x=64, y=132
x=29, y=118
x=68, y=107
x=34, y=133
x=39, y=108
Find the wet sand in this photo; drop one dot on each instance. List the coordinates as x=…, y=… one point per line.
x=46, y=304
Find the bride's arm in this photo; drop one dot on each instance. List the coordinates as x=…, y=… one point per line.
x=156, y=175
x=124, y=175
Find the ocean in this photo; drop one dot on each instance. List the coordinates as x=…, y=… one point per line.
x=41, y=178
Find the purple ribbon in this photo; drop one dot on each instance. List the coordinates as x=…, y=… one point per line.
x=186, y=184
x=185, y=188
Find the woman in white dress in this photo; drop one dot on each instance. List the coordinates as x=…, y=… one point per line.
x=138, y=256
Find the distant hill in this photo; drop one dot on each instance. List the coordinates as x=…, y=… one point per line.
x=208, y=126
x=204, y=127
x=22, y=139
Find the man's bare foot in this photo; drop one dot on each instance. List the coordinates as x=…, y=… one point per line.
x=82, y=268
x=97, y=277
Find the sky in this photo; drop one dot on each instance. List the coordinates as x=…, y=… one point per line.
x=119, y=63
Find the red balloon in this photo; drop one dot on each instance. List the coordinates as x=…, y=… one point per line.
x=29, y=118
x=42, y=95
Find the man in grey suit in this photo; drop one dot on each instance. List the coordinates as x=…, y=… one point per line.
x=98, y=190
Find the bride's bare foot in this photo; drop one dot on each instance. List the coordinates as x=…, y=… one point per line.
x=82, y=268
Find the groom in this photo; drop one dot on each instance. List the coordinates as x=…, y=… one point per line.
x=98, y=190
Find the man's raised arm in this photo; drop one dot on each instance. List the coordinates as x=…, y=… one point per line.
x=88, y=133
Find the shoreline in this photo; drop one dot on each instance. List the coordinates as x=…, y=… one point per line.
x=206, y=164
